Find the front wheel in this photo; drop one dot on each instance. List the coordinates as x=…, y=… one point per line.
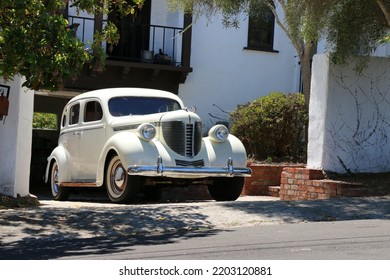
x=59, y=193
x=226, y=188
x=120, y=186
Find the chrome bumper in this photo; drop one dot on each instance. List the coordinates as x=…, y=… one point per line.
x=191, y=172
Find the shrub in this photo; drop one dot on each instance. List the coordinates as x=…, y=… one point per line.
x=272, y=127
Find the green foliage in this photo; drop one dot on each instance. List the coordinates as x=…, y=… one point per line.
x=273, y=126
x=355, y=28
x=36, y=42
x=45, y=121
x=385, y=40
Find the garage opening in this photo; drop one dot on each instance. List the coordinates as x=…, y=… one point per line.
x=48, y=108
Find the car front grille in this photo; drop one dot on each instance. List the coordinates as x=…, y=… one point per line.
x=183, y=138
x=196, y=163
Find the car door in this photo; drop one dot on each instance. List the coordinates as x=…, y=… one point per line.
x=69, y=139
x=91, y=139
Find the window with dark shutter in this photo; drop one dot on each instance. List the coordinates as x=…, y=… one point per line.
x=261, y=30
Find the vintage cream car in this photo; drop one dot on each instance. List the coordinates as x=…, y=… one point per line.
x=128, y=139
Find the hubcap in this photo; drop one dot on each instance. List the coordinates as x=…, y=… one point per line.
x=55, y=179
x=118, y=178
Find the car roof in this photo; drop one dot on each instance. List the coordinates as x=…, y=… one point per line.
x=105, y=94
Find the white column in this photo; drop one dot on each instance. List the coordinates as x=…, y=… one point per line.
x=318, y=111
x=349, y=117
x=15, y=140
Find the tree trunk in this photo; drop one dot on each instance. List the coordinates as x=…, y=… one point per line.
x=385, y=9
x=306, y=72
x=306, y=81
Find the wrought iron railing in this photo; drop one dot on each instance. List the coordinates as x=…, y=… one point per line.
x=139, y=42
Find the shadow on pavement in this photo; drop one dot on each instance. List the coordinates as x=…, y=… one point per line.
x=42, y=233
x=79, y=247
x=318, y=210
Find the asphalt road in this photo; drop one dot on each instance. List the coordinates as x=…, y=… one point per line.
x=348, y=240
x=344, y=240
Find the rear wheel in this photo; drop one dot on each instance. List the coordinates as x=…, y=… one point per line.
x=226, y=188
x=120, y=186
x=59, y=193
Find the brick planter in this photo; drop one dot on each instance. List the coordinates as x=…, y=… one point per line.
x=308, y=184
x=302, y=183
x=263, y=177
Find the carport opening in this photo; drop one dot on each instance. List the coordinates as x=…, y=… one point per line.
x=48, y=109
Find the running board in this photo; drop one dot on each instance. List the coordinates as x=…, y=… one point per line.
x=79, y=184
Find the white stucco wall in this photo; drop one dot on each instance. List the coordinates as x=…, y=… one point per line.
x=226, y=75
x=15, y=139
x=349, y=129
x=160, y=15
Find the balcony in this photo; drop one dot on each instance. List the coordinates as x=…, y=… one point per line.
x=152, y=56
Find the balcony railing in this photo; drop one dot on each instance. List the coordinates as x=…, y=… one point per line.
x=138, y=43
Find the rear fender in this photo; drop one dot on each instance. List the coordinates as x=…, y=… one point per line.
x=58, y=155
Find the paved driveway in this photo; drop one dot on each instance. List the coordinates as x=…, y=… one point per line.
x=84, y=219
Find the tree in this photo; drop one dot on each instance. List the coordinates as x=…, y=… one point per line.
x=355, y=28
x=304, y=23
x=36, y=40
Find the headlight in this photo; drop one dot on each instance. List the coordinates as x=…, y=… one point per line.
x=219, y=133
x=146, y=131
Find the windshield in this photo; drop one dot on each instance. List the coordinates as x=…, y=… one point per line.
x=126, y=106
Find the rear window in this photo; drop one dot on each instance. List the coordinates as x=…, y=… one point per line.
x=126, y=106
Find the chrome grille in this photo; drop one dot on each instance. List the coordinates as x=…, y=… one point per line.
x=189, y=140
x=196, y=163
x=184, y=139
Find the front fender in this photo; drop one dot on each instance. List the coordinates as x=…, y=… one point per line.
x=218, y=153
x=59, y=155
x=131, y=150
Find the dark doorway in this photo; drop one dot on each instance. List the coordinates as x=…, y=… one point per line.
x=134, y=31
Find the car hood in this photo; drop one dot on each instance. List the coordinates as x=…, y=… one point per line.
x=132, y=122
x=181, y=115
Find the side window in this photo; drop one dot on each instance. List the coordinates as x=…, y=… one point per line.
x=261, y=30
x=93, y=111
x=63, y=120
x=74, y=113
x=63, y=123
